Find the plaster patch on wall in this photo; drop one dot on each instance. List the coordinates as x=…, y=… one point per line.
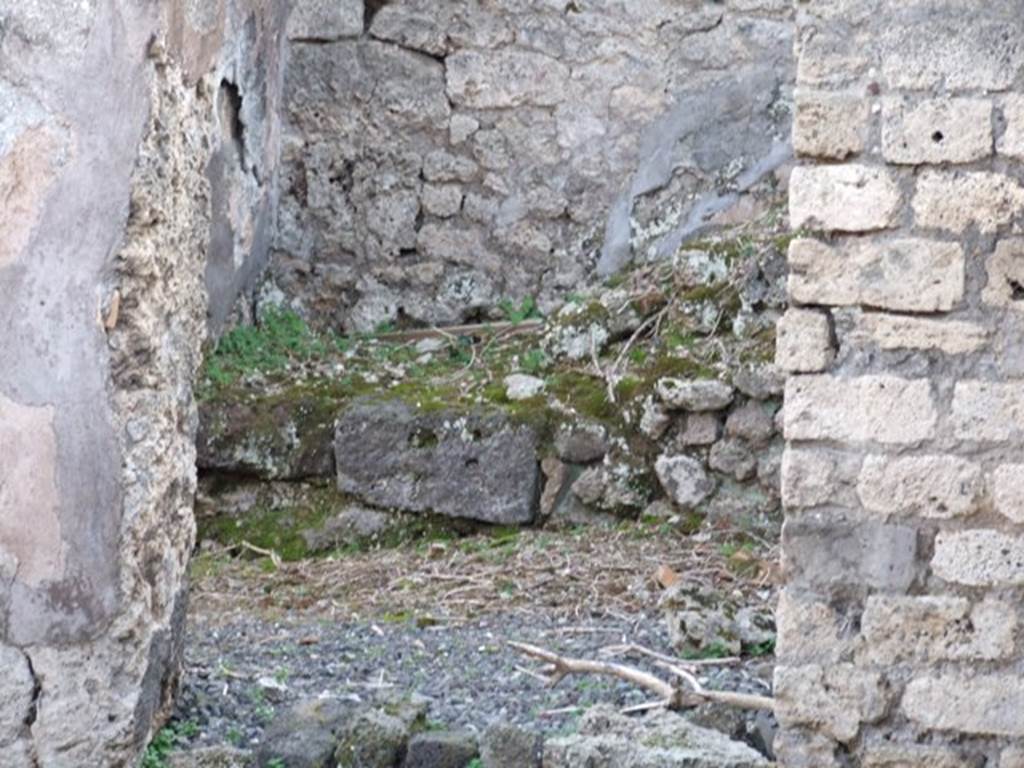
x=30, y=529
x=27, y=171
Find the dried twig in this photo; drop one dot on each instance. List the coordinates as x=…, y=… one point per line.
x=674, y=696
x=564, y=666
x=507, y=328
x=274, y=557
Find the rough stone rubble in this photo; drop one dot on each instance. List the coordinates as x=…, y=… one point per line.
x=439, y=157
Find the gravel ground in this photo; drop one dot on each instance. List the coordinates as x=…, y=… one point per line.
x=435, y=622
x=239, y=675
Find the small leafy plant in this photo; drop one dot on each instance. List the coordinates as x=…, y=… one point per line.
x=166, y=740
x=526, y=310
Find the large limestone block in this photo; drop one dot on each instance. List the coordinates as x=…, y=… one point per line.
x=809, y=630
x=953, y=201
x=967, y=701
x=819, y=554
x=906, y=274
x=1008, y=491
x=954, y=49
x=803, y=341
x=979, y=558
x=474, y=465
x=830, y=125
x=843, y=198
x=930, y=486
x=835, y=699
x=988, y=410
x=943, y=130
x=883, y=409
x=953, y=337
x=929, y=629
x=1005, y=268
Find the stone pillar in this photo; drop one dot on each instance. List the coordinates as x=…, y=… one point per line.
x=112, y=123
x=903, y=477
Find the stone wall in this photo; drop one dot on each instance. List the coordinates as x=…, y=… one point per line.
x=110, y=134
x=899, y=638
x=439, y=157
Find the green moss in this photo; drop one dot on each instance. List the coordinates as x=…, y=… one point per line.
x=278, y=528
x=585, y=394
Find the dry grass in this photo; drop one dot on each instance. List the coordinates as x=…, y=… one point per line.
x=574, y=574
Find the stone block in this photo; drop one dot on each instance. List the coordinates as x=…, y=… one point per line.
x=804, y=748
x=943, y=130
x=1008, y=491
x=906, y=275
x=753, y=422
x=684, y=479
x=803, y=341
x=953, y=337
x=929, y=629
x=830, y=125
x=443, y=200
x=1005, y=268
x=823, y=555
x=929, y=486
x=16, y=694
x=607, y=739
x=835, y=699
x=914, y=756
x=440, y=749
x=956, y=201
x=967, y=51
x=510, y=746
x=1012, y=757
x=694, y=394
x=581, y=443
x=979, y=558
x=734, y=458
x=882, y=409
x=809, y=477
x=392, y=456
x=1011, y=143
x=843, y=198
x=809, y=630
x=323, y=20
x=699, y=429
x=966, y=701
x=986, y=410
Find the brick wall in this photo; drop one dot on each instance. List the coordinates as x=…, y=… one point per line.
x=903, y=477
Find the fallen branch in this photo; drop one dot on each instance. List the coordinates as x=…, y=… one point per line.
x=564, y=666
x=274, y=557
x=674, y=696
x=504, y=327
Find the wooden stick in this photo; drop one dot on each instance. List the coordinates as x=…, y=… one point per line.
x=673, y=696
x=564, y=666
x=415, y=334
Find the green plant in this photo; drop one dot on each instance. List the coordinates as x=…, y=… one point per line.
x=276, y=762
x=526, y=310
x=280, y=338
x=234, y=736
x=767, y=648
x=533, y=361
x=476, y=762
x=165, y=741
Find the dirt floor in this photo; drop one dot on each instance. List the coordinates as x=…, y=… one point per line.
x=434, y=618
